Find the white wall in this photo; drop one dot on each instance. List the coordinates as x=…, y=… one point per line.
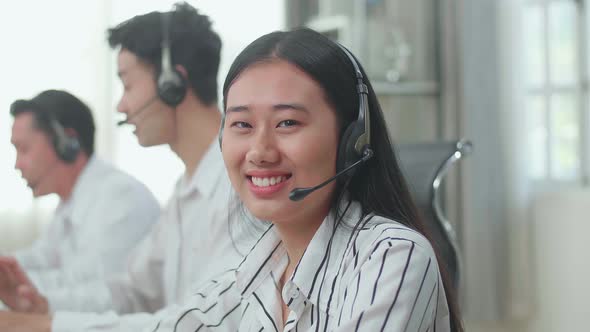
x=561, y=270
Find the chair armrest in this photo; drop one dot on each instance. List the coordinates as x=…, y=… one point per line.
x=463, y=148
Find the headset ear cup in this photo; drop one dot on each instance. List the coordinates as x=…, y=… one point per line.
x=67, y=150
x=171, y=87
x=71, y=149
x=66, y=146
x=347, y=154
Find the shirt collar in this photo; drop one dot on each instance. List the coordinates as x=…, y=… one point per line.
x=84, y=184
x=331, y=237
x=264, y=256
x=268, y=254
x=206, y=176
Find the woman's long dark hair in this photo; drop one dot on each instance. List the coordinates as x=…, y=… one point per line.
x=378, y=185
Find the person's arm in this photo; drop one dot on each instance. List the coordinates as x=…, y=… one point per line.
x=65, y=321
x=81, y=285
x=215, y=306
x=140, y=289
x=397, y=289
x=19, y=322
x=217, y=296
x=68, y=321
x=15, y=286
x=114, y=226
x=42, y=254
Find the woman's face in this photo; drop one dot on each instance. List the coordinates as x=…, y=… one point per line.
x=280, y=134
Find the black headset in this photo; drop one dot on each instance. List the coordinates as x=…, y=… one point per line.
x=171, y=84
x=355, y=142
x=66, y=147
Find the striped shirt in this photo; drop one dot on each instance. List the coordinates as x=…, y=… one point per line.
x=379, y=276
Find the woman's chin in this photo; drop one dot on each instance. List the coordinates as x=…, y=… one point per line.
x=263, y=213
x=268, y=210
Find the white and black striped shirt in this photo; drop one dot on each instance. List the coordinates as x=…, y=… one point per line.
x=381, y=276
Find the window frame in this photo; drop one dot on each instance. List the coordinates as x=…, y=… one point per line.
x=548, y=90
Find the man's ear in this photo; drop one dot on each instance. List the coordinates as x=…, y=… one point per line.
x=182, y=71
x=70, y=132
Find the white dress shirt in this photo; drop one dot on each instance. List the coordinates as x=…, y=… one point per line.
x=383, y=277
x=92, y=232
x=190, y=244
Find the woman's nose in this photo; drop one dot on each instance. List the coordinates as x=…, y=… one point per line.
x=263, y=151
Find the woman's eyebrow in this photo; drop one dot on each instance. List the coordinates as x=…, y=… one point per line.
x=276, y=107
x=291, y=106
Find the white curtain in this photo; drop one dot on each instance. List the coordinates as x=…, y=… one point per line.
x=515, y=142
x=497, y=225
x=513, y=119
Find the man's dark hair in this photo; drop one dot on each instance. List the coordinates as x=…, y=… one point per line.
x=193, y=45
x=63, y=107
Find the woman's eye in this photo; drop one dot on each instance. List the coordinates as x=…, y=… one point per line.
x=241, y=124
x=287, y=123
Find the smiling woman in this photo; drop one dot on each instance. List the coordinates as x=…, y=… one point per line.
x=275, y=117
x=354, y=254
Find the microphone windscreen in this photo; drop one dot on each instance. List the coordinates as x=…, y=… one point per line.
x=298, y=194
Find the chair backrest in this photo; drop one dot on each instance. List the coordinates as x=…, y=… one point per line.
x=425, y=166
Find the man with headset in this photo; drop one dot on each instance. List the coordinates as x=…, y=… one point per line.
x=168, y=64
x=102, y=213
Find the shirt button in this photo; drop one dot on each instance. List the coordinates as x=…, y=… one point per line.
x=295, y=294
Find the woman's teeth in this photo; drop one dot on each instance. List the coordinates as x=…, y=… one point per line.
x=265, y=182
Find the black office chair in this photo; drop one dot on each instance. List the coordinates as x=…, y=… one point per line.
x=425, y=166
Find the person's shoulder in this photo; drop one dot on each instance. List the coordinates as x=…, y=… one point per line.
x=381, y=232
x=112, y=181
x=215, y=303
x=223, y=186
x=212, y=289
x=213, y=175
x=109, y=174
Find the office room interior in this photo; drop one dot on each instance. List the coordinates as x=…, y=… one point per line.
x=505, y=80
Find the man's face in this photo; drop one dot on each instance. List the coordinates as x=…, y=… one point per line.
x=154, y=121
x=35, y=156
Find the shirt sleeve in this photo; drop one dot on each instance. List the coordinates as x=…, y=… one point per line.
x=43, y=253
x=65, y=321
x=208, y=304
x=138, y=288
x=215, y=306
x=112, y=229
x=142, y=287
x=397, y=288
